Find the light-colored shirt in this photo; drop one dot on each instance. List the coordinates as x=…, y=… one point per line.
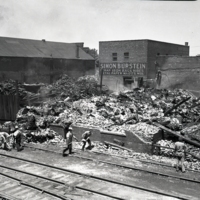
x=69, y=137
x=86, y=135
x=16, y=133
x=180, y=147
x=4, y=136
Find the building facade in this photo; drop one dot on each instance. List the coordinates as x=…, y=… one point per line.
x=123, y=63
x=181, y=72
x=31, y=61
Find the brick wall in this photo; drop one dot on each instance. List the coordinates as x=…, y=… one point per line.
x=137, y=51
x=161, y=48
x=140, y=51
x=180, y=72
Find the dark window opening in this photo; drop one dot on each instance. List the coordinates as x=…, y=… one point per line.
x=114, y=56
x=126, y=55
x=128, y=80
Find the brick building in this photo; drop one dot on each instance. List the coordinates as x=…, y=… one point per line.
x=124, y=62
x=42, y=61
x=180, y=72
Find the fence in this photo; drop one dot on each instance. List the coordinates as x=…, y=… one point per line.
x=9, y=106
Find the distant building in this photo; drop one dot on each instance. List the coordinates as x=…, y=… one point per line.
x=42, y=61
x=180, y=72
x=125, y=63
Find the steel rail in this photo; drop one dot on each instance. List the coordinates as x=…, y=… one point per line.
x=62, y=183
x=131, y=168
x=35, y=187
x=143, y=170
x=99, y=178
x=141, y=160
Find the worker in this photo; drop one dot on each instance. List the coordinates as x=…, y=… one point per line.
x=86, y=139
x=69, y=138
x=4, y=141
x=18, y=135
x=180, y=151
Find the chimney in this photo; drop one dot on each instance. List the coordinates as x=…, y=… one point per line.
x=186, y=43
x=77, y=51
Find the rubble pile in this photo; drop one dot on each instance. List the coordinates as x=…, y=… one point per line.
x=170, y=152
x=79, y=102
x=9, y=87
x=100, y=147
x=39, y=135
x=192, y=132
x=133, y=111
x=145, y=131
x=66, y=86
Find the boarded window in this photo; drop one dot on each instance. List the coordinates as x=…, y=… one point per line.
x=114, y=56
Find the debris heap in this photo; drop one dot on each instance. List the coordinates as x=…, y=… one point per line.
x=80, y=102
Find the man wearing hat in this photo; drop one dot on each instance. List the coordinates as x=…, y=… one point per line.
x=86, y=139
x=69, y=138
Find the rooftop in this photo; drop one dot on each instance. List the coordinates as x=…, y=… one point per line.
x=143, y=41
x=15, y=47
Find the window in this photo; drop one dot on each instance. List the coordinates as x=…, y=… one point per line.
x=128, y=81
x=126, y=55
x=114, y=56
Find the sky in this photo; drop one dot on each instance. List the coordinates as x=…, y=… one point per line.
x=91, y=21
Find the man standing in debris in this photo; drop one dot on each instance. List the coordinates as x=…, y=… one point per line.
x=180, y=150
x=86, y=138
x=69, y=138
x=4, y=141
x=17, y=135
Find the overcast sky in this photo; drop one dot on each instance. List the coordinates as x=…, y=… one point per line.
x=91, y=21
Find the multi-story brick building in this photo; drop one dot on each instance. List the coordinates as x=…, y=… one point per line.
x=124, y=62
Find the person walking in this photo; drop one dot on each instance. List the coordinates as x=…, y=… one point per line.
x=69, y=138
x=86, y=139
x=180, y=151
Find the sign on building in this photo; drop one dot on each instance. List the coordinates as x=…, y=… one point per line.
x=131, y=69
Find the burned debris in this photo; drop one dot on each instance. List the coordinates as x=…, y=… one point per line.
x=146, y=112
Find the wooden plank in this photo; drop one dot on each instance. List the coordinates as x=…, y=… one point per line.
x=118, y=146
x=177, y=135
x=195, y=156
x=176, y=106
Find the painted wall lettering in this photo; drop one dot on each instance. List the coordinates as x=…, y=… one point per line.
x=133, y=69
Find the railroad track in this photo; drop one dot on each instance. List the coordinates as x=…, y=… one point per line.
x=180, y=177
x=51, y=186
x=148, y=162
x=81, y=183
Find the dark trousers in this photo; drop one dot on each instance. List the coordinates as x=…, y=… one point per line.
x=17, y=143
x=69, y=147
x=84, y=143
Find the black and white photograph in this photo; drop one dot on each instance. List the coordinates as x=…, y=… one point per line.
x=99, y=100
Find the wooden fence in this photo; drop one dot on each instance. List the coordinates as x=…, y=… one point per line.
x=9, y=106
